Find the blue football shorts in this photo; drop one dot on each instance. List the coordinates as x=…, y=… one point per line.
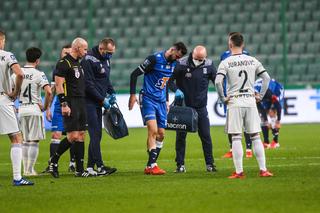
x=154, y=110
x=57, y=118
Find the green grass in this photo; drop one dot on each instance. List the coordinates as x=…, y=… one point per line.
x=295, y=187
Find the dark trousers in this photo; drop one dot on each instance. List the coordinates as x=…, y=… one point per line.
x=204, y=134
x=94, y=119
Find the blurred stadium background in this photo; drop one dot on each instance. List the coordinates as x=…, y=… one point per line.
x=284, y=35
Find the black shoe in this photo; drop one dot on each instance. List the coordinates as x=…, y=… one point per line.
x=85, y=174
x=211, y=168
x=180, y=169
x=72, y=168
x=53, y=170
x=106, y=170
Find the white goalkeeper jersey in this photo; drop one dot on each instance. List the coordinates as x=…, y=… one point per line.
x=7, y=59
x=240, y=71
x=30, y=95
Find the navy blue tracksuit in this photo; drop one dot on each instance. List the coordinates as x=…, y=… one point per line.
x=193, y=82
x=97, y=78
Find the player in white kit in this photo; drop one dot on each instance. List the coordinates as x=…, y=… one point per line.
x=8, y=120
x=31, y=108
x=240, y=71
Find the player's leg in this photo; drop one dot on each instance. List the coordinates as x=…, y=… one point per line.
x=161, y=117
x=95, y=133
x=234, y=126
x=9, y=126
x=248, y=145
x=275, y=144
x=204, y=134
x=72, y=159
x=252, y=127
x=180, y=150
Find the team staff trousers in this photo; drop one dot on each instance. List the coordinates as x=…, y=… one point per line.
x=94, y=120
x=204, y=134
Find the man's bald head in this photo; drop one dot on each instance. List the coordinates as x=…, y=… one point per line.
x=79, y=47
x=199, y=53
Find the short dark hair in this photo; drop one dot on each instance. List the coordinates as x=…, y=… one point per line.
x=66, y=46
x=32, y=54
x=180, y=46
x=237, y=39
x=106, y=41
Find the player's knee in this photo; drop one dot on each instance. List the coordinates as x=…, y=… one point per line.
x=56, y=135
x=15, y=137
x=255, y=136
x=160, y=135
x=236, y=137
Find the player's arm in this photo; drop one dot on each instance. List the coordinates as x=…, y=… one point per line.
x=18, y=80
x=91, y=89
x=212, y=73
x=171, y=83
x=145, y=67
x=221, y=74
x=262, y=73
x=47, y=101
x=59, y=79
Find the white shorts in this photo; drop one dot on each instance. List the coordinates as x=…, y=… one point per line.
x=32, y=128
x=8, y=120
x=243, y=119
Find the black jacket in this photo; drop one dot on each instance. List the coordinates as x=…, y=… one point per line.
x=193, y=81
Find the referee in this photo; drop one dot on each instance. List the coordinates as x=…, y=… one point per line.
x=70, y=88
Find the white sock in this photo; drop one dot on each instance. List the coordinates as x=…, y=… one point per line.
x=25, y=150
x=259, y=152
x=237, y=153
x=32, y=155
x=16, y=158
x=159, y=144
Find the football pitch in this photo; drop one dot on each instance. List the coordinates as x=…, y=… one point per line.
x=295, y=187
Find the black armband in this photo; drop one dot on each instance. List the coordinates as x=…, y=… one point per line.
x=62, y=98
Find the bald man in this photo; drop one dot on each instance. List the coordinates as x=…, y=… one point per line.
x=190, y=80
x=70, y=89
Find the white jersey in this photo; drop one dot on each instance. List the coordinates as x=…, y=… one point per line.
x=30, y=95
x=7, y=59
x=241, y=71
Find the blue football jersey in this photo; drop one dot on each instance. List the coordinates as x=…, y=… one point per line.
x=275, y=87
x=157, y=71
x=227, y=53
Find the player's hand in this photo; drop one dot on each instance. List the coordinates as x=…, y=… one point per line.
x=178, y=94
x=278, y=125
x=106, y=103
x=12, y=95
x=66, y=111
x=112, y=99
x=226, y=100
x=132, y=100
x=48, y=115
x=41, y=107
x=257, y=97
x=168, y=106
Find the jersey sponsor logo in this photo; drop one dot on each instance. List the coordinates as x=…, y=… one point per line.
x=162, y=82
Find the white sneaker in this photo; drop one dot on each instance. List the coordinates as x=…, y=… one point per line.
x=91, y=171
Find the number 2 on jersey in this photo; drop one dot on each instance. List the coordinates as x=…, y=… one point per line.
x=244, y=81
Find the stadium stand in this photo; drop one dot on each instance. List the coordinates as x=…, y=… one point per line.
x=143, y=26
